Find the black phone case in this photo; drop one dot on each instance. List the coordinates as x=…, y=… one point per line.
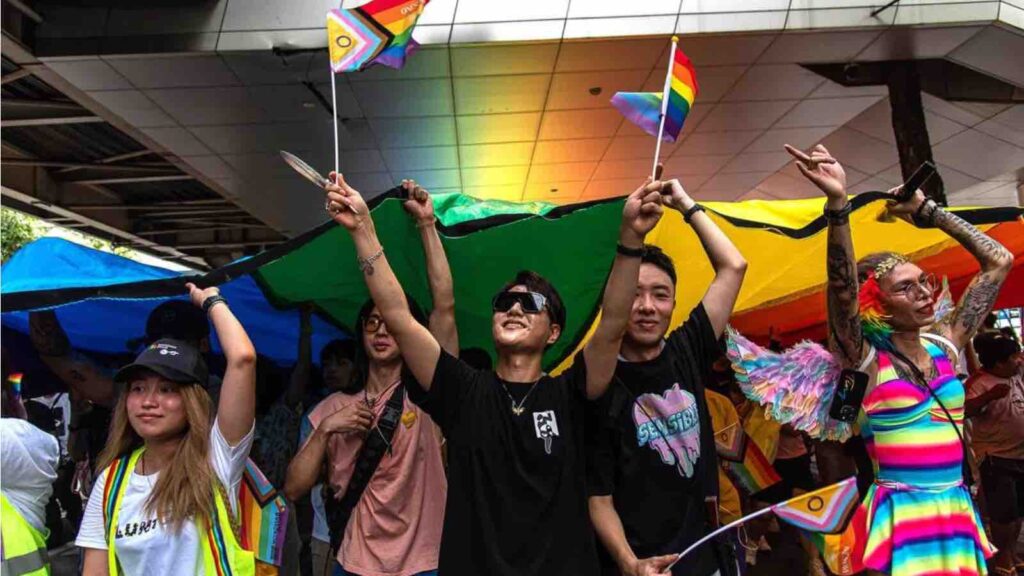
x=849, y=395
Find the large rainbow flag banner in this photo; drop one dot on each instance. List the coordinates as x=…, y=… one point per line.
x=378, y=32
x=645, y=108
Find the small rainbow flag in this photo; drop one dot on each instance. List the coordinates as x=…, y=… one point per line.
x=743, y=461
x=645, y=108
x=378, y=32
x=15, y=379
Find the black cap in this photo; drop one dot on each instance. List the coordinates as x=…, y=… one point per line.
x=176, y=360
x=177, y=319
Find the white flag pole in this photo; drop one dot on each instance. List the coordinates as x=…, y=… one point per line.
x=334, y=114
x=664, y=103
x=725, y=528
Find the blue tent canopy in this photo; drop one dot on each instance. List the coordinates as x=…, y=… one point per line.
x=110, y=325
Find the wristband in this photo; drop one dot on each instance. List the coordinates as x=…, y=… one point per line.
x=924, y=216
x=213, y=301
x=838, y=217
x=629, y=252
x=691, y=211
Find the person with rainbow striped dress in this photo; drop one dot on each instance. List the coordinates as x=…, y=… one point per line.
x=917, y=517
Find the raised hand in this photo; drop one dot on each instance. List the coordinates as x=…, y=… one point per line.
x=675, y=196
x=642, y=210
x=355, y=417
x=344, y=203
x=905, y=210
x=822, y=169
x=419, y=205
x=199, y=295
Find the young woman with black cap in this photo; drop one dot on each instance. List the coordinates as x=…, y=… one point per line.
x=170, y=468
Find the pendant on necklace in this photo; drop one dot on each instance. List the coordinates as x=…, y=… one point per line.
x=517, y=410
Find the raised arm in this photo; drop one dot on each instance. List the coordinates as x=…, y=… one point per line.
x=640, y=214
x=236, y=412
x=995, y=261
x=302, y=372
x=439, y=274
x=728, y=263
x=845, y=336
x=420, y=349
x=78, y=372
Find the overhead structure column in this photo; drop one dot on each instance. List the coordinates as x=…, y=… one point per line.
x=909, y=126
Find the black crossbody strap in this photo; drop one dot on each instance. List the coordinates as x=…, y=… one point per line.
x=378, y=441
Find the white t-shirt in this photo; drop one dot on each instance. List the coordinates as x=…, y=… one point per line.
x=146, y=547
x=29, y=460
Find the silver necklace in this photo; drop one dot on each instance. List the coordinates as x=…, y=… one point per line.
x=517, y=409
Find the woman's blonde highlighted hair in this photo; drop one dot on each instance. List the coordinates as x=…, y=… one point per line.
x=184, y=490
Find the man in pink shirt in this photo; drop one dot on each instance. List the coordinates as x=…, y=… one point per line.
x=995, y=405
x=393, y=528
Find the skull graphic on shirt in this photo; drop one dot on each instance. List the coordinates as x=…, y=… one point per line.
x=670, y=425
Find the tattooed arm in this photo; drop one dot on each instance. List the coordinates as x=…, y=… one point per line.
x=76, y=371
x=845, y=335
x=995, y=261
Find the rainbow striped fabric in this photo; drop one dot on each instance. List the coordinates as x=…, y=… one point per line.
x=743, y=462
x=15, y=380
x=644, y=108
x=378, y=32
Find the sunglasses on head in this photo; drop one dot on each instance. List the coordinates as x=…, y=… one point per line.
x=529, y=302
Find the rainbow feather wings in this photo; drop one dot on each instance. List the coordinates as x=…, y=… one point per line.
x=644, y=108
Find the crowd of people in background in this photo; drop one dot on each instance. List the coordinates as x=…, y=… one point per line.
x=400, y=453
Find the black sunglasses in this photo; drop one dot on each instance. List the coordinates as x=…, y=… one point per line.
x=530, y=302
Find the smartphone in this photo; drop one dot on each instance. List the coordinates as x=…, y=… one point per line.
x=849, y=395
x=916, y=180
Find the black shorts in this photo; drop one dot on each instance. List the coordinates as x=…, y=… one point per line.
x=1002, y=479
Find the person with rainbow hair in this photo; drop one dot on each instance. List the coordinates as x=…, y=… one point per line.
x=917, y=517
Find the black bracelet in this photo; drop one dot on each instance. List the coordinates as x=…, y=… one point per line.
x=629, y=252
x=691, y=211
x=213, y=301
x=838, y=217
x=924, y=217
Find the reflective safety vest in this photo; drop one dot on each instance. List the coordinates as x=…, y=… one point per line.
x=222, y=556
x=24, y=547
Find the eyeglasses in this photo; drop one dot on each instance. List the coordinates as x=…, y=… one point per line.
x=911, y=288
x=372, y=324
x=529, y=302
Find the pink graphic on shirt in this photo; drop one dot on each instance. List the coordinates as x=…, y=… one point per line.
x=670, y=425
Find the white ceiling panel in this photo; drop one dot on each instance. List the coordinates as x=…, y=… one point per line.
x=296, y=103
x=861, y=151
x=89, y=74
x=696, y=165
x=979, y=155
x=814, y=47
x=519, y=11
x=563, y=172
x=174, y=71
x=987, y=50
x=401, y=160
x=402, y=98
x=917, y=43
x=616, y=9
x=405, y=132
x=432, y=178
x=637, y=147
x=803, y=138
x=482, y=155
x=177, y=141
x=591, y=55
x=207, y=106
x=615, y=169
x=504, y=59
x=573, y=90
x=1012, y=117
x=954, y=180
x=759, y=162
x=745, y=115
x=826, y=112
x=728, y=186
x=580, y=150
x=774, y=82
x=134, y=107
x=506, y=31
x=625, y=26
x=498, y=128
x=724, y=50
x=496, y=176
x=564, y=124
x=704, y=143
x=501, y=94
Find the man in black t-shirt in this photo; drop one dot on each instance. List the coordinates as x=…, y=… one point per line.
x=515, y=435
x=652, y=470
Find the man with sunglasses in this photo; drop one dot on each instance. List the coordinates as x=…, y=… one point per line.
x=652, y=468
x=383, y=453
x=515, y=435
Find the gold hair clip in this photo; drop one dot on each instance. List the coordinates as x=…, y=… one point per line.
x=886, y=266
